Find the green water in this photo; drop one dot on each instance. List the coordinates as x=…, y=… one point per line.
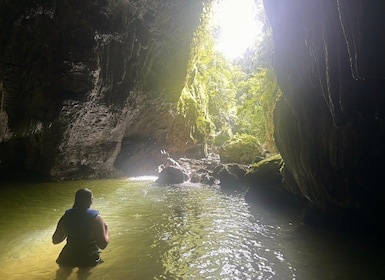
x=175, y=232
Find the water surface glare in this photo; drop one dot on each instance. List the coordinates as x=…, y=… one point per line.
x=188, y=231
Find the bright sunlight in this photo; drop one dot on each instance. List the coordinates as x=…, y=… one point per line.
x=236, y=26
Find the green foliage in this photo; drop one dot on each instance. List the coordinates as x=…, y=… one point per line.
x=257, y=96
x=223, y=97
x=193, y=102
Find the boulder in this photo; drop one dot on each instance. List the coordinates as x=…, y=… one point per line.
x=230, y=175
x=241, y=149
x=264, y=181
x=171, y=175
x=266, y=172
x=203, y=176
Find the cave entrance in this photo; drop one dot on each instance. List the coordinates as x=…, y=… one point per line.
x=230, y=76
x=229, y=94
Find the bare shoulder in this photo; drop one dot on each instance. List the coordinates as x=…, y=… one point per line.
x=59, y=235
x=99, y=219
x=101, y=232
x=100, y=223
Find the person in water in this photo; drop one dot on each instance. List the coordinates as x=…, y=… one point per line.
x=85, y=231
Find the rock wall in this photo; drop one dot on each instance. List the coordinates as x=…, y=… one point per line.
x=79, y=78
x=329, y=126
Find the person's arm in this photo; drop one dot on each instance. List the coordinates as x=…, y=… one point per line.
x=59, y=234
x=101, y=233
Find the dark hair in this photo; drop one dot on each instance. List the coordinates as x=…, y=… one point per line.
x=83, y=199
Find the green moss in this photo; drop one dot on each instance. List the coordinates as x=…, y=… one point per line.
x=276, y=157
x=242, y=148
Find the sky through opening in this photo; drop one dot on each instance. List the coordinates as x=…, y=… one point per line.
x=236, y=25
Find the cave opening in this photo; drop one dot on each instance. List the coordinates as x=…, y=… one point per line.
x=230, y=74
x=229, y=93
x=236, y=26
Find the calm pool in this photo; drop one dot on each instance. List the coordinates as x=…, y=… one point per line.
x=175, y=232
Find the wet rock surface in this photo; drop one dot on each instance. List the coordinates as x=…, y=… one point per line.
x=329, y=123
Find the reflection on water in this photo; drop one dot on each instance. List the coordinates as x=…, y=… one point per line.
x=63, y=273
x=214, y=236
x=175, y=232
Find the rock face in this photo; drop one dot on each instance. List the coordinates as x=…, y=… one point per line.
x=329, y=126
x=88, y=85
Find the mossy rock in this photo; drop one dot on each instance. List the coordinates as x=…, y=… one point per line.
x=266, y=172
x=240, y=149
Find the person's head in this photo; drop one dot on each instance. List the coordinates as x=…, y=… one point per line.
x=83, y=199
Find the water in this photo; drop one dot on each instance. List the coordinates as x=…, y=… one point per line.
x=175, y=232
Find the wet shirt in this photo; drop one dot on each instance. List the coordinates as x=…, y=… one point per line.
x=81, y=248
x=78, y=224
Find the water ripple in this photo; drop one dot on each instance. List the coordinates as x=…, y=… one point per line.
x=213, y=235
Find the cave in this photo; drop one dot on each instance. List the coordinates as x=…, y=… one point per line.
x=80, y=80
x=85, y=84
